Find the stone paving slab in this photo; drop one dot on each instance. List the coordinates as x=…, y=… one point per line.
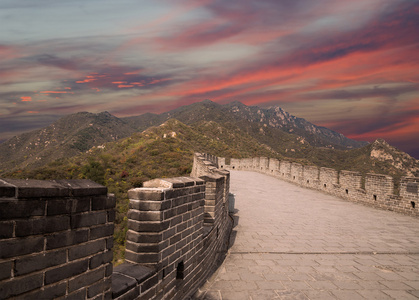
x=295, y=243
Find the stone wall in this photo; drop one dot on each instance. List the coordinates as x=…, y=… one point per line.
x=378, y=190
x=55, y=239
x=178, y=230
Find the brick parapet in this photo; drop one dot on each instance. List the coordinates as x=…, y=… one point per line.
x=55, y=239
x=178, y=228
x=378, y=191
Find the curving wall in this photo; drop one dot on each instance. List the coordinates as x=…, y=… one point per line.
x=178, y=233
x=377, y=190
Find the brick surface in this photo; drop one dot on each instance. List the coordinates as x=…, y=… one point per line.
x=31, y=263
x=67, y=238
x=66, y=271
x=22, y=246
x=20, y=285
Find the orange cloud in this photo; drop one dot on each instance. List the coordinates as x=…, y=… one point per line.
x=125, y=85
x=26, y=99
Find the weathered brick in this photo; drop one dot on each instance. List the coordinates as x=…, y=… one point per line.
x=41, y=261
x=20, y=285
x=146, y=194
x=145, y=215
x=6, y=229
x=67, y=238
x=88, y=219
x=42, y=225
x=99, y=202
x=144, y=237
x=69, y=270
x=81, y=204
x=77, y=295
x=101, y=231
x=6, y=269
x=86, y=279
x=149, y=226
x=59, y=206
x=21, y=246
x=111, y=215
x=109, y=243
x=123, y=285
x=96, y=289
x=142, y=257
x=100, y=259
x=86, y=249
x=51, y=291
x=108, y=270
x=21, y=209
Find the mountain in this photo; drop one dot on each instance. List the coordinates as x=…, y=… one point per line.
x=69, y=136
x=253, y=119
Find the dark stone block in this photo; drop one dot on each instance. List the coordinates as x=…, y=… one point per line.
x=99, y=202
x=109, y=243
x=110, y=201
x=22, y=246
x=96, y=261
x=32, y=188
x=7, y=190
x=96, y=289
x=151, y=226
x=108, y=270
x=49, y=292
x=67, y=238
x=101, y=231
x=81, y=205
x=88, y=220
x=6, y=270
x=21, y=209
x=121, y=284
x=41, y=226
x=86, y=249
x=150, y=282
x=80, y=294
x=83, y=187
x=39, y=261
x=86, y=279
x=150, y=195
x=66, y=271
x=111, y=215
x=20, y=285
x=59, y=206
x=6, y=230
x=138, y=272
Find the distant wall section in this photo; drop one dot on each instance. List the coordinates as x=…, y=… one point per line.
x=378, y=190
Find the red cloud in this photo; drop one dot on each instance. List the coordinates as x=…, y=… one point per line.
x=26, y=98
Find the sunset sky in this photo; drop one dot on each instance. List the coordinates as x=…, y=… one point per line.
x=351, y=66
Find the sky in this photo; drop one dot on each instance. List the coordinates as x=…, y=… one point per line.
x=351, y=66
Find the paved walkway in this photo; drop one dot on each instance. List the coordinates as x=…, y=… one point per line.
x=295, y=243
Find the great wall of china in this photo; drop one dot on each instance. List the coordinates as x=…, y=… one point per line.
x=56, y=236
x=374, y=189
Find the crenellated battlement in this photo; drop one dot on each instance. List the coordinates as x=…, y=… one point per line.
x=373, y=189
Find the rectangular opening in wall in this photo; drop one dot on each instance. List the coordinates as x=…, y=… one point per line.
x=308, y=181
x=325, y=185
x=222, y=166
x=413, y=204
x=293, y=177
x=180, y=269
x=347, y=191
x=375, y=197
